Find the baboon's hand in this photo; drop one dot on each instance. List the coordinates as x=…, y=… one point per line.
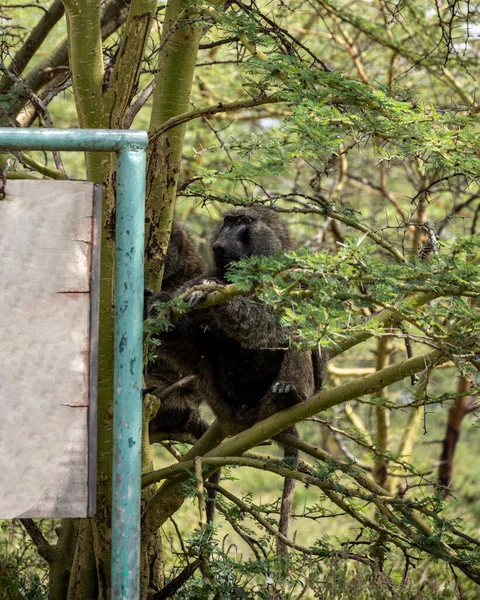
x=150, y=300
x=198, y=295
x=285, y=394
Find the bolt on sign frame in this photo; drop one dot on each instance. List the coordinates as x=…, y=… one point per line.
x=130, y=148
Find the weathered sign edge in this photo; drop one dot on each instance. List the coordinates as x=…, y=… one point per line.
x=94, y=321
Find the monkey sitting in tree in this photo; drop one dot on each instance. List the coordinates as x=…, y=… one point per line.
x=237, y=350
x=179, y=411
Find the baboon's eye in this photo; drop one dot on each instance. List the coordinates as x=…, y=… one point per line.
x=245, y=220
x=244, y=234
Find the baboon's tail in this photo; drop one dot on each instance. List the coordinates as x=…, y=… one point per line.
x=291, y=454
x=319, y=360
x=212, y=495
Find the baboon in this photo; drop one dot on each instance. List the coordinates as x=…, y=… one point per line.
x=245, y=369
x=179, y=411
x=179, y=415
x=183, y=262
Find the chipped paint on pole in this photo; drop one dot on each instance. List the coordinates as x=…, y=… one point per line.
x=127, y=413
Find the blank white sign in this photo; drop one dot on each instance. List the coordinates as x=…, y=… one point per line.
x=48, y=332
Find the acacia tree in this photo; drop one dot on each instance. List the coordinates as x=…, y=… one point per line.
x=320, y=110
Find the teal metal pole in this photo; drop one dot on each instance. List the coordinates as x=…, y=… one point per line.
x=93, y=140
x=127, y=413
x=130, y=147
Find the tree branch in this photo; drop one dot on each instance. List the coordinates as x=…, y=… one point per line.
x=176, y=583
x=139, y=103
x=212, y=110
x=33, y=43
x=46, y=550
x=165, y=393
x=277, y=423
x=41, y=168
x=42, y=108
x=124, y=77
x=113, y=16
x=169, y=497
x=288, y=542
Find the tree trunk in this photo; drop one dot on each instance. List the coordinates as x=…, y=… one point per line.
x=454, y=423
x=180, y=41
x=104, y=106
x=382, y=413
x=83, y=578
x=61, y=568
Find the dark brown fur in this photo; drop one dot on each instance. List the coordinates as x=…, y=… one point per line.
x=179, y=412
x=183, y=261
x=237, y=347
x=245, y=368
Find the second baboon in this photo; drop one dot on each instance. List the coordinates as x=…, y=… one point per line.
x=179, y=411
x=243, y=363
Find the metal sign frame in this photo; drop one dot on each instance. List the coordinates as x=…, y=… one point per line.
x=130, y=148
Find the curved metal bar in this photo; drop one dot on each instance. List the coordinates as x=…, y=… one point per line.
x=130, y=147
x=101, y=140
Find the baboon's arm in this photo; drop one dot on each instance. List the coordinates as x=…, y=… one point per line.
x=252, y=324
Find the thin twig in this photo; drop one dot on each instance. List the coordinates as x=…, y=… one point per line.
x=42, y=108
x=173, y=586
x=271, y=529
x=202, y=510
x=213, y=110
x=139, y=103
x=164, y=394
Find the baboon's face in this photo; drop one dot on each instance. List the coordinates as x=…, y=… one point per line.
x=234, y=240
